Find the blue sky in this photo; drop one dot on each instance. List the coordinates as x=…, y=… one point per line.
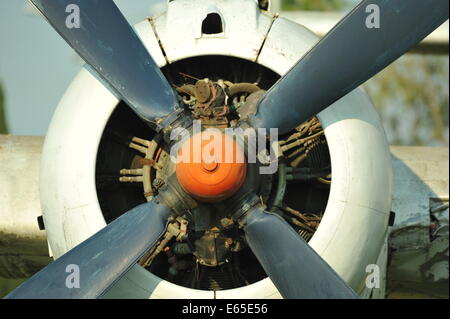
x=36, y=65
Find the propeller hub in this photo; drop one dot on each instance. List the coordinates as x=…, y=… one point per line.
x=211, y=167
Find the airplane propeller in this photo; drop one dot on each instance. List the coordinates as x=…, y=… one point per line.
x=292, y=265
x=106, y=41
x=347, y=56
x=102, y=258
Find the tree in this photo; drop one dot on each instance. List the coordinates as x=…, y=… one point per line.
x=313, y=5
x=3, y=127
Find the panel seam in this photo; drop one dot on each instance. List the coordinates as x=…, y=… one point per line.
x=274, y=17
x=151, y=21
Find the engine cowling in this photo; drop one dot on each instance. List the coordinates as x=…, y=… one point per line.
x=354, y=223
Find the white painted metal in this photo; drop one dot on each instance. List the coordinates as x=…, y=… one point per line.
x=67, y=181
x=420, y=236
x=419, y=170
x=275, y=6
x=23, y=246
x=180, y=29
x=150, y=41
x=167, y=290
x=20, y=157
x=138, y=283
x=352, y=231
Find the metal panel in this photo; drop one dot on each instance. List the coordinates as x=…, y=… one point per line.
x=244, y=29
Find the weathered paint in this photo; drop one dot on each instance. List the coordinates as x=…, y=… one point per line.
x=419, y=244
x=23, y=247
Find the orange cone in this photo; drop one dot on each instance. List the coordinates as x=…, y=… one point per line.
x=211, y=167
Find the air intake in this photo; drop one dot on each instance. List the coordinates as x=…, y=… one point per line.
x=212, y=24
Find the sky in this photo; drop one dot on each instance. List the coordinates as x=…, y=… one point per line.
x=37, y=66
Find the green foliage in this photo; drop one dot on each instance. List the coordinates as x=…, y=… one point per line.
x=412, y=98
x=313, y=5
x=3, y=127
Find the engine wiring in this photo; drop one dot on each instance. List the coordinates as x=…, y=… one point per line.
x=296, y=148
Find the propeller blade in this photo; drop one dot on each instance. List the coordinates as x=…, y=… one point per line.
x=293, y=266
x=350, y=54
x=105, y=40
x=101, y=259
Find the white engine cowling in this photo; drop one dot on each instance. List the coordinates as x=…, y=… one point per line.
x=354, y=225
